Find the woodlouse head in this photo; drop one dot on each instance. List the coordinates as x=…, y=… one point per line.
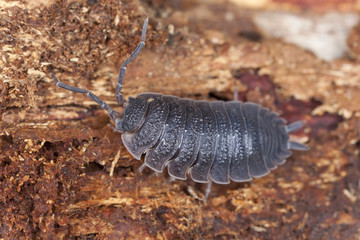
x=133, y=116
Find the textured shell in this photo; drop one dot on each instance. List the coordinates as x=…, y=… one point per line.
x=215, y=141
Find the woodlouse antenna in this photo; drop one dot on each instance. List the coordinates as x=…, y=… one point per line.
x=137, y=50
x=114, y=115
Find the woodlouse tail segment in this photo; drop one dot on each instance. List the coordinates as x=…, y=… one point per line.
x=114, y=115
x=236, y=93
x=133, y=55
x=292, y=127
x=298, y=146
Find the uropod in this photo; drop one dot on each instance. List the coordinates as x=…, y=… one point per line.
x=211, y=141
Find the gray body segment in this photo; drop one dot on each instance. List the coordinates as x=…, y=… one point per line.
x=215, y=141
x=219, y=172
x=171, y=138
x=189, y=147
x=239, y=166
x=256, y=159
x=206, y=155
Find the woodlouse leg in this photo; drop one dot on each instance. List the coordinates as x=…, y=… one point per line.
x=137, y=50
x=194, y=193
x=141, y=168
x=172, y=179
x=114, y=115
x=207, y=191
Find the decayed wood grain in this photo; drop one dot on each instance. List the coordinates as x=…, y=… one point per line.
x=58, y=148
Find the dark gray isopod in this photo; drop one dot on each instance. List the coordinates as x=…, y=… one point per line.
x=212, y=141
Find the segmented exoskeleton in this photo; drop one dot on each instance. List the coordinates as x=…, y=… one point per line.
x=212, y=141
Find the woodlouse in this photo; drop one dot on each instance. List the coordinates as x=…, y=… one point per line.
x=212, y=141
